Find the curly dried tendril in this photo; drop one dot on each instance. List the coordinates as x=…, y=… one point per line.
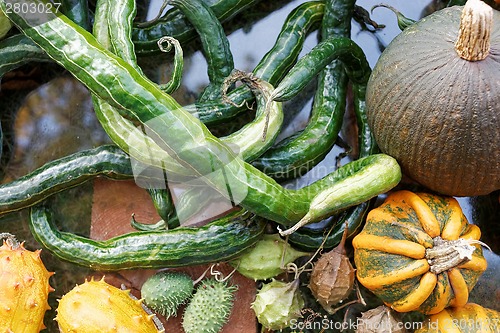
x=165, y=44
x=256, y=85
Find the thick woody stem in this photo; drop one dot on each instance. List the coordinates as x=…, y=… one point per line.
x=476, y=23
x=445, y=254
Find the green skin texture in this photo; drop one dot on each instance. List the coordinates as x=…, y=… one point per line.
x=221, y=240
x=328, y=235
x=247, y=139
x=64, y=173
x=5, y=25
x=118, y=17
x=300, y=19
x=209, y=308
x=273, y=66
x=18, y=50
x=163, y=203
x=77, y=11
x=116, y=82
x=176, y=79
x=267, y=258
x=175, y=24
x=318, y=58
x=277, y=303
x=281, y=57
x=89, y=250
x=164, y=292
x=294, y=30
x=64, y=245
x=447, y=141
x=336, y=22
x=298, y=154
x=214, y=43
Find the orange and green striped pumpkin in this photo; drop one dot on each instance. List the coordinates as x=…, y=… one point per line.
x=468, y=318
x=417, y=252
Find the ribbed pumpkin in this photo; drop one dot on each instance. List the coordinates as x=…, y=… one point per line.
x=470, y=318
x=433, y=100
x=24, y=288
x=418, y=252
x=98, y=307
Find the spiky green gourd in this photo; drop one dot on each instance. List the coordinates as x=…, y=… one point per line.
x=165, y=291
x=277, y=303
x=267, y=258
x=209, y=308
x=24, y=289
x=98, y=307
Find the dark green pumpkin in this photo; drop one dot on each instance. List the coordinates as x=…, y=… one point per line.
x=436, y=113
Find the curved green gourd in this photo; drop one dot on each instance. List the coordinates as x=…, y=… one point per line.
x=221, y=240
x=99, y=69
x=108, y=161
x=215, y=45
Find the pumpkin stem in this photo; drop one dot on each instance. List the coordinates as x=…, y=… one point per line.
x=476, y=23
x=447, y=254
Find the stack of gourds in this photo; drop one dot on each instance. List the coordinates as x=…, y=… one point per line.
x=416, y=252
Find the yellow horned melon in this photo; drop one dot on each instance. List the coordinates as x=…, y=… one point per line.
x=24, y=288
x=98, y=307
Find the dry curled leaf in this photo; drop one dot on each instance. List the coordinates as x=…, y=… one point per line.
x=379, y=320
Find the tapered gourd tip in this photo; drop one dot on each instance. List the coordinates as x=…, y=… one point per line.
x=476, y=23
x=305, y=220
